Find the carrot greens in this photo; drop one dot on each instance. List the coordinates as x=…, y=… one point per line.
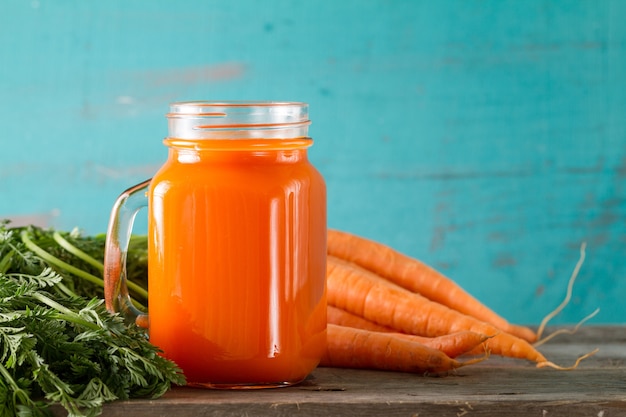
x=58, y=343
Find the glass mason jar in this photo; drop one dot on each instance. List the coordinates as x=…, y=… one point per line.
x=236, y=246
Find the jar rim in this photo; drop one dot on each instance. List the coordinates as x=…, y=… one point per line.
x=199, y=107
x=238, y=103
x=202, y=119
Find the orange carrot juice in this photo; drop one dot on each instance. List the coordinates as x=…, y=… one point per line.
x=237, y=252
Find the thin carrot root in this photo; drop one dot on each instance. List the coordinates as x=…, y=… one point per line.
x=566, y=331
x=568, y=294
x=569, y=368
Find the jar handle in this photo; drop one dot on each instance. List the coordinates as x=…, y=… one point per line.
x=119, y=231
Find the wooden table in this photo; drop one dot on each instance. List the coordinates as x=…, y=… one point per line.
x=496, y=387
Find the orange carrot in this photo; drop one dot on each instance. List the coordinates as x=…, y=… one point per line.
x=363, y=293
x=348, y=347
x=342, y=317
x=418, y=277
x=464, y=342
x=453, y=344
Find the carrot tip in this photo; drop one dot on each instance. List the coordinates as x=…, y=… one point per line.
x=549, y=364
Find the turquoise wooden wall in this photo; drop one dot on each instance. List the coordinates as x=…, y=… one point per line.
x=485, y=137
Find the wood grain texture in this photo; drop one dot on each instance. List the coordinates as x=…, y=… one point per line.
x=493, y=388
x=485, y=137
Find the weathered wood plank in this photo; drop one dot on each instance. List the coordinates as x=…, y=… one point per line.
x=497, y=386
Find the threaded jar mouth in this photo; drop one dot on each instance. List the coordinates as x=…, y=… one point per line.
x=195, y=120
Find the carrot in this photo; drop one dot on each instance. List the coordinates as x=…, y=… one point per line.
x=464, y=342
x=342, y=317
x=363, y=293
x=418, y=277
x=348, y=347
x=453, y=345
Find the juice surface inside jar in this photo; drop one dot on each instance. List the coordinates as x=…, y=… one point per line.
x=237, y=261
